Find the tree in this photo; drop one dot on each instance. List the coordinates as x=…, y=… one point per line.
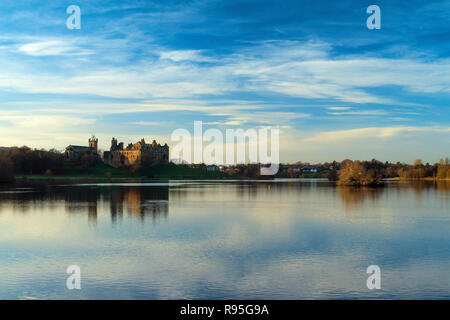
x=333, y=175
x=6, y=169
x=28, y=161
x=443, y=169
x=89, y=160
x=291, y=173
x=416, y=171
x=354, y=173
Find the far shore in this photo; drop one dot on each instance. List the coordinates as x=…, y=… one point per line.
x=22, y=178
x=422, y=179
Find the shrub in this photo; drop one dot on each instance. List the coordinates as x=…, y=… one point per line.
x=354, y=173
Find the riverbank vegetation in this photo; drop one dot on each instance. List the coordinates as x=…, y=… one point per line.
x=6, y=170
x=14, y=161
x=372, y=172
x=366, y=172
x=419, y=170
x=23, y=162
x=33, y=161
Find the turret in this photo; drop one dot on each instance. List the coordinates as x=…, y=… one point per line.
x=113, y=144
x=93, y=143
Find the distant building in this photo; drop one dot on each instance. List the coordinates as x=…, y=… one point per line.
x=179, y=161
x=197, y=165
x=75, y=153
x=212, y=167
x=309, y=169
x=153, y=153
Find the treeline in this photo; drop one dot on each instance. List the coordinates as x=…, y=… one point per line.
x=419, y=170
x=23, y=160
x=350, y=172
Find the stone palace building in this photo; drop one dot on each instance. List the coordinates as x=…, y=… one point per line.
x=120, y=156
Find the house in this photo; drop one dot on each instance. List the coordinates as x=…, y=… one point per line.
x=212, y=167
x=309, y=169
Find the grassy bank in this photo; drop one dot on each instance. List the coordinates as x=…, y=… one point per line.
x=312, y=175
x=173, y=171
x=103, y=172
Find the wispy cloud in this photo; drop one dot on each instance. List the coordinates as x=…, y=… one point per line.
x=339, y=108
x=376, y=132
x=293, y=69
x=52, y=48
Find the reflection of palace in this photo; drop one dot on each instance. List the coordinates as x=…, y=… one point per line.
x=136, y=201
x=139, y=202
x=78, y=200
x=92, y=213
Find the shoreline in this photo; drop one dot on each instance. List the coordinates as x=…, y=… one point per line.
x=23, y=178
x=423, y=179
x=117, y=179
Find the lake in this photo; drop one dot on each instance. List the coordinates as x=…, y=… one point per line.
x=279, y=239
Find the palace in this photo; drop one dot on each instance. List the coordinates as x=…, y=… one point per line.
x=118, y=156
x=75, y=153
x=153, y=153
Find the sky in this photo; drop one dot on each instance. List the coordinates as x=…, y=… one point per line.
x=141, y=69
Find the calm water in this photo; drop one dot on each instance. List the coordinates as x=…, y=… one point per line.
x=220, y=240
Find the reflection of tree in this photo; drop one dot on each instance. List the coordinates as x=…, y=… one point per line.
x=354, y=197
x=419, y=188
x=78, y=200
x=443, y=187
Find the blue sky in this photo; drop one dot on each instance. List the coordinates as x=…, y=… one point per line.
x=144, y=68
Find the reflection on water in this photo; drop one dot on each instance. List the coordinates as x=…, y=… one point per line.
x=135, y=201
x=277, y=239
x=354, y=197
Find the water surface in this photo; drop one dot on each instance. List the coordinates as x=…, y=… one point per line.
x=295, y=239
